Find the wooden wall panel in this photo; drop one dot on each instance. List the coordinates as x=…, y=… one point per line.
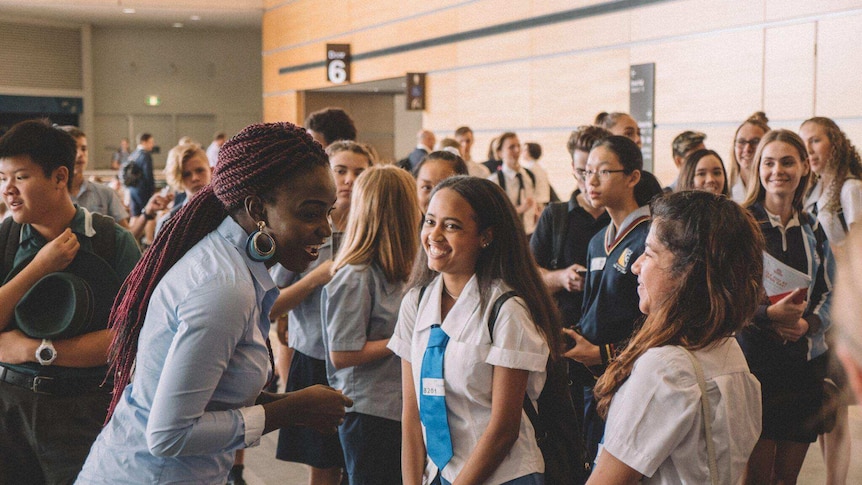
x=283, y=107
x=301, y=21
x=599, y=31
x=304, y=79
x=716, y=62
x=496, y=97
x=442, y=110
x=559, y=87
x=712, y=78
x=544, y=7
x=839, y=67
x=788, y=81
x=491, y=12
x=692, y=16
x=788, y=9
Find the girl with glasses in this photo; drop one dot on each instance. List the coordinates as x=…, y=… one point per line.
x=745, y=142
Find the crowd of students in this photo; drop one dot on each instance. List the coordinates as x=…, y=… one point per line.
x=416, y=316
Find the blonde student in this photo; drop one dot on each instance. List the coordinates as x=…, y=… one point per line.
x=359, y=309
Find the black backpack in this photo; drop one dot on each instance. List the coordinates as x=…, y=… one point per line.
x=131, y=173
x=557, y=425
x=562, y=446
x=104, y=241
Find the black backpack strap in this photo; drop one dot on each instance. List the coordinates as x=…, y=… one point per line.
x=421, y=292
x=495, y=311
x=10, y=236
x=559, y=225
x=532, y=177
x=105, y=240
x=842, y=220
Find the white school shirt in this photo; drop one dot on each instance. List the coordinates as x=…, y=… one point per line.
x=851, y=205
x=543, y=185
x=738, y=191
x=655, y=422
x=513, y=188
x=469, y=361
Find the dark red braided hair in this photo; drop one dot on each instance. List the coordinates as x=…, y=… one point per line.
x=258, y=159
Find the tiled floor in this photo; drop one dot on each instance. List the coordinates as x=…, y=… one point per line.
x=263, y=469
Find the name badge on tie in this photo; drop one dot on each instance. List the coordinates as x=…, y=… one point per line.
x=433, y=387
x=597, y=264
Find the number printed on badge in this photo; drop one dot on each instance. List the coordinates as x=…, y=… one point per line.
x=433, y=387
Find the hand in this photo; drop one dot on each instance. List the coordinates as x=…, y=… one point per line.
x=58, y=253
x=158, y=202
x=785, y=312
x=794, y=332
x=583, y=351
x=570, y=279
x=526, y=205
x=17, y=348
x=320, y=408
x=281, y=329
x=322, y=274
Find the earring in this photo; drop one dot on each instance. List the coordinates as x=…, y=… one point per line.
x=485, y=245
x=260, y=246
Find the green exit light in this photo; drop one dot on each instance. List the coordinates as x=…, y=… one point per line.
x=153, y=100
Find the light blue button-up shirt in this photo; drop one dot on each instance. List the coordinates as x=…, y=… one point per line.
x=359, y=305
x=202, y=361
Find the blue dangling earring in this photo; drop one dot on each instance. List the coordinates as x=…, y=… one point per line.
x=260, y=246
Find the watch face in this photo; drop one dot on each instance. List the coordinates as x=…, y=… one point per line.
x=46, y=354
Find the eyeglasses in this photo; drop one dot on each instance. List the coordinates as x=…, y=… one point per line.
x=741, y=142
x=603, y=174
x=579, y=172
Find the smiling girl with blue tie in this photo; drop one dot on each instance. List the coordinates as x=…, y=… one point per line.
x=469, y=414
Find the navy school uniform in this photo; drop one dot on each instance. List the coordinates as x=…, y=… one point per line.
x=791, y=373
x=610, y=311
x=580, y=229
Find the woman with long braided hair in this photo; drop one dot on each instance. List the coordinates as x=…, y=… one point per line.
x=189, y=356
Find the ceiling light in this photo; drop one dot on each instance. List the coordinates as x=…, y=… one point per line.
x=178, y=25
x=128, y=10
x=195, y=18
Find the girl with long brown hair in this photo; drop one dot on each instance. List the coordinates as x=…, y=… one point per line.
x=699, y=283
x=471, y=256
x=835, y=198
x=786, y=347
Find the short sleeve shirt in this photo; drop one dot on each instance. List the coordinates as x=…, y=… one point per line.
x=102, y=199
x=656, y=423
x=359, y=305
x=469, y=360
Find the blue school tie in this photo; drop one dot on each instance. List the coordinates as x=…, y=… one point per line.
x=432, y=399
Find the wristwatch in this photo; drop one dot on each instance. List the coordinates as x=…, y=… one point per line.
x=147, y=216
x=46, y=353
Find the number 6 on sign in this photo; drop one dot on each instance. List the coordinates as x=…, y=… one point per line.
x=337, y=72
x=338, y=63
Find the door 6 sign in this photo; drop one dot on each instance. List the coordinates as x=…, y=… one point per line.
x=338, y=63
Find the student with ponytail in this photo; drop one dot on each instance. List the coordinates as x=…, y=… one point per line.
x=191, y=319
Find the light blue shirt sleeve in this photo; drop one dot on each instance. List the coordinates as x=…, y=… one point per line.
x=180, y=422
x=348, y=308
